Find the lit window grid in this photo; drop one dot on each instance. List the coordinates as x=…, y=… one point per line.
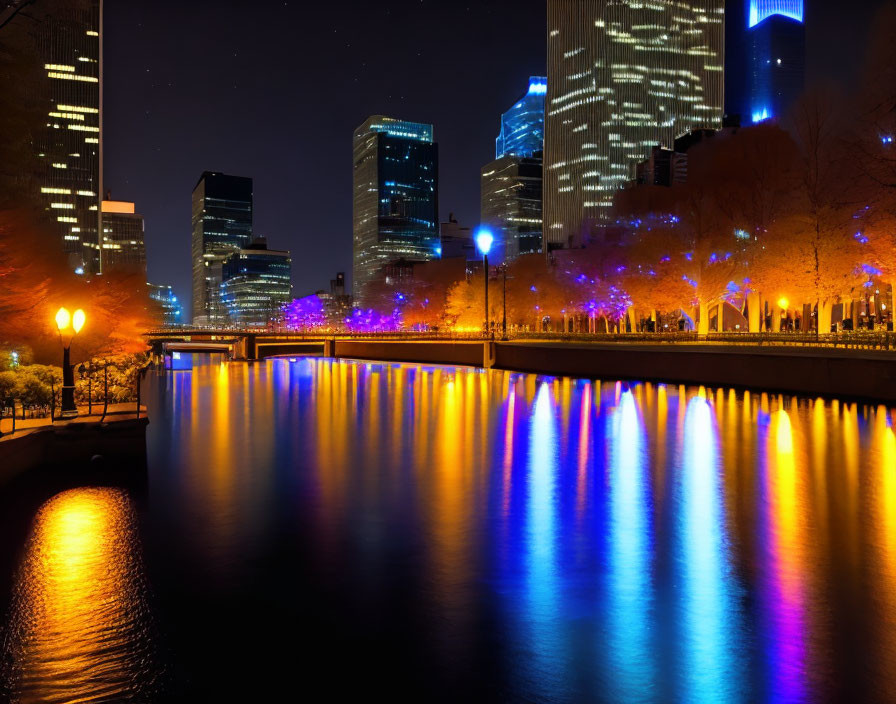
x=649, y=72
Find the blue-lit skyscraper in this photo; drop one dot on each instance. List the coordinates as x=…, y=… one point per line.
x=777, y=46
x=395, y=200
x=511, y=184
x=522, y=127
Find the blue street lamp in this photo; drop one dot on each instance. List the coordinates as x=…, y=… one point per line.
x=484, y=240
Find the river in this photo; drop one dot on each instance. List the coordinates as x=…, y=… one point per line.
x=327, y=529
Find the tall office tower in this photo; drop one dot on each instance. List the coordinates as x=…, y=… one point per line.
x=396, y=206
x=511, y=203
x=222, y=224
x=777, y=43
x=623, y=76
x=56, y=50
x=255, y=284
x=123, y=246
x=511, y=185
x=522, y=127
x=172, y=312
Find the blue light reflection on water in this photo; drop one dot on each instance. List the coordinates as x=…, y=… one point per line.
x=710, y=670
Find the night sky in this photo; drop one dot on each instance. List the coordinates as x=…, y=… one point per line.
x=274, y=90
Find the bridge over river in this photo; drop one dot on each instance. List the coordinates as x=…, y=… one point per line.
x=857, y=365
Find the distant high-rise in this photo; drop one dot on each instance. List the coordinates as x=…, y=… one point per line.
x=395, y=203
x=777, y=46
x=59, y=45
x=255, y=284
x=222, y=224
x=522, y=127
x=172, y=312
x=511, y=187
x=123, y=245
x=623, y=76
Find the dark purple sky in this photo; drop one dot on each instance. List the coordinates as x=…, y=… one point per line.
x=274, y=90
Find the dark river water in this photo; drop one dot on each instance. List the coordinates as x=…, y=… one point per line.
x=325, y=530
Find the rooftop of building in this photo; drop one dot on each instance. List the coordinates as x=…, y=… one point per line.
x=393, y=127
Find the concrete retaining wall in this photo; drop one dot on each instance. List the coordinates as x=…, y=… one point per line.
x=119, y=442
x=867, y=375
x=447, y=352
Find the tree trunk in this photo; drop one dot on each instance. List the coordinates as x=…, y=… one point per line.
x=753, y=312
x=825, y=309
x=776, y=318
x=703, y=319
x=807, y=317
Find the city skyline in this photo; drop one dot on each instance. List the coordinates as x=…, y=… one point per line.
x=151, y=152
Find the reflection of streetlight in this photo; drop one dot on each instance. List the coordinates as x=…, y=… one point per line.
x=63, y=320
x=484, y=239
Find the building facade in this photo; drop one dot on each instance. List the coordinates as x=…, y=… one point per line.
x=623, y=76
x=511, y=201
x=336, y=302
x=777, y=45
x=395, y=197
x=59, y=46
x=123, y=247
x=255, y=284
x=222, y=225
x=172, y=311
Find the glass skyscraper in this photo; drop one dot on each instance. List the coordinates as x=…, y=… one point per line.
x=395, y=200
x=522, y=127
x=222, y=224
x=62, y=41
x=512, y=184
x=623, y=76
x=777, y=44
x=255, y=284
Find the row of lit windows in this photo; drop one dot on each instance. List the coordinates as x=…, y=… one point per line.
x=73, y=77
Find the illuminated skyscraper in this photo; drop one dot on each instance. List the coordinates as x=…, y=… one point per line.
x=511, y=184
x=123, y=245
x=511, y=203
x=623, y=76
x=522, y=127
x=172, y=312
x=777, y=45
x=396, y=209
x=222, y=224
x=59, y=45
x=255, y=284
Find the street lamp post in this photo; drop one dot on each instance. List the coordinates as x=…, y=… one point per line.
x=64, y=321
x=504, y=304
x=484, y=240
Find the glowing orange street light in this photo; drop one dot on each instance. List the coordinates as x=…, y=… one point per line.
x=63, y=320
x=783, y=303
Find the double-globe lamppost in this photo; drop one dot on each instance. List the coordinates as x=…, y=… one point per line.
x=484, y=240
x=65, y=322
